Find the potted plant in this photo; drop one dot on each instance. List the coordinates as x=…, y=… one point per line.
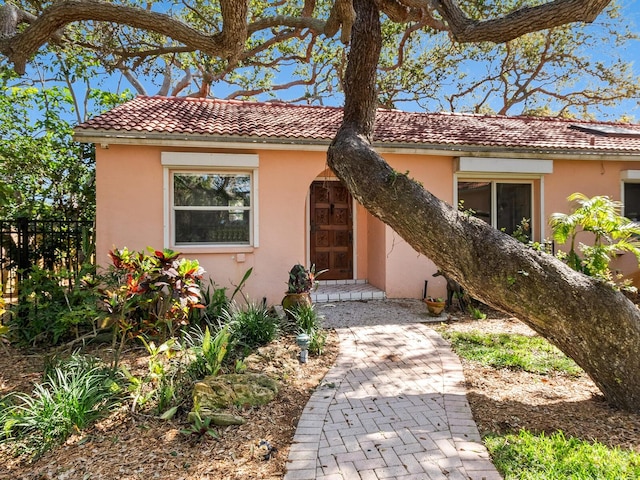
x=435, y=305
x=300, y=284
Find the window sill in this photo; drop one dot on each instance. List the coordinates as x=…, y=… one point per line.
x=222, y=249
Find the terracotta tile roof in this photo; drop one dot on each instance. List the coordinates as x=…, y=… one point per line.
x=200, y=119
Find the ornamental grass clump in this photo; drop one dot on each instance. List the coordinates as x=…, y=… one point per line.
x=308, y=321
x=74, y=394
x=252, y=325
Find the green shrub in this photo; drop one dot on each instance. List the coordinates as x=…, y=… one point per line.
x=216, y=301
x=173, y=367
x=208, y=351
x=252, y=325
x=165, y=386
x=74, y=394
x=49, y=312
x=611, y=234
x=149, y=295
x=307, y=321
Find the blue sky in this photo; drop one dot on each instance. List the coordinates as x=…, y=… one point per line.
x=631, y=14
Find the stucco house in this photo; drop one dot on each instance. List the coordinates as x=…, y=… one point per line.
x=244, y=184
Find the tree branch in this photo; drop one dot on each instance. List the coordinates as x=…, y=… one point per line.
x=517, y=23
x=343, y=14
x=302, y=22
x=10, y=17
x=227, y=44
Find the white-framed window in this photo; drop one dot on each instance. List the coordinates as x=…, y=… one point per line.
x=211, y=208
x=501, y=203
x=210, y=200
x=631, y=194
x=503, y=191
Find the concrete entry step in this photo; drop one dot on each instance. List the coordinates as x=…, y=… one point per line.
x=345, y=290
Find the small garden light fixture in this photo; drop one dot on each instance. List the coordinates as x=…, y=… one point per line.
x=303, y=340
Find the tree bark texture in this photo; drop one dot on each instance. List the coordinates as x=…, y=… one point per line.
x=518, y=22
x=596, y=326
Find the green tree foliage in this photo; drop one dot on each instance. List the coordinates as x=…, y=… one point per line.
x=609, y=233
x=44, y=173
x=49, y=174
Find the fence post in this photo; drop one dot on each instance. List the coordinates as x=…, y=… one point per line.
x=24, y=263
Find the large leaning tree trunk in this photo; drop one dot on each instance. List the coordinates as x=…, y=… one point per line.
x=596, y=326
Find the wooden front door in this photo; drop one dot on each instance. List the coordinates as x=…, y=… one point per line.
x=331, y=230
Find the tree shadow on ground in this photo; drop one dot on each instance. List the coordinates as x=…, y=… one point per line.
x=592, y=419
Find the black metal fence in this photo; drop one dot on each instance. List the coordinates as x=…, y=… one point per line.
x=54, y=245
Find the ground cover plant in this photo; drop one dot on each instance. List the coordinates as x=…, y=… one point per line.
x=526, y=455
x=540, y=416
x=165, y=335
x=501, y=350
x=75, y=392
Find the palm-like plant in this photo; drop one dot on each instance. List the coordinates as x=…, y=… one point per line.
x=612, y=233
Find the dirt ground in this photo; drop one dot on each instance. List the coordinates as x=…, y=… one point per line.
x=505, y=401
x=126, y=447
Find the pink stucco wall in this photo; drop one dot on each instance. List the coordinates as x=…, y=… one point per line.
x=130, y=212
x=375, y=265
x=588, y=177
x=129, y=199
x=406, y=270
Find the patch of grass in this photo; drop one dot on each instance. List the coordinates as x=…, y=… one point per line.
x=527, y=456
x=512, y=351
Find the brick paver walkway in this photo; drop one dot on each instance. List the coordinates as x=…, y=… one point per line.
x=393, y=407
